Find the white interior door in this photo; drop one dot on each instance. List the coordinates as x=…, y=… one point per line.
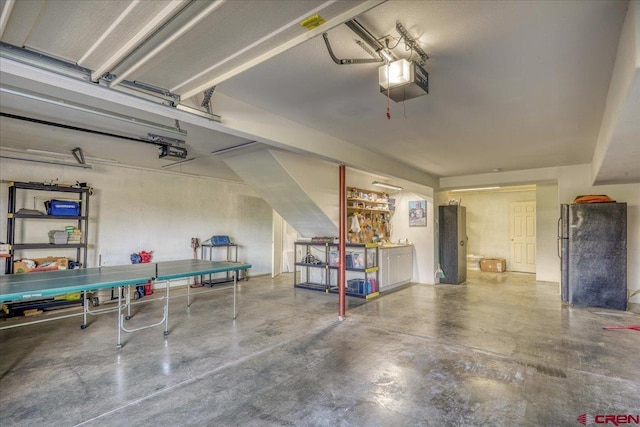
x=523, y=237
x=276, y=249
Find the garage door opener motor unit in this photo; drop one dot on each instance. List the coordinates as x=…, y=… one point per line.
x=169, y=147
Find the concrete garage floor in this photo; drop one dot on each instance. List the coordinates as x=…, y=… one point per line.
x=500, y=350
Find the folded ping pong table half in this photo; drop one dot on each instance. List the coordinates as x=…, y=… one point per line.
x=19, y=287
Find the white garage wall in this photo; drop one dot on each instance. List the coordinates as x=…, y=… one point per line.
x=133, y=210
x=547, y=214
x=421, y=237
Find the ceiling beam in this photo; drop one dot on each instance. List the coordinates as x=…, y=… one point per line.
x=251, y=46
x=109, y=30
x=135, y=41
x=331, y=23
x=173, y=37
x=241, y=120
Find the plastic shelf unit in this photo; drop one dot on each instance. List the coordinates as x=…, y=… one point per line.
x=317, y=268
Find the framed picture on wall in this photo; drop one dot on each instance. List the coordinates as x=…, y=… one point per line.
x=417, y=213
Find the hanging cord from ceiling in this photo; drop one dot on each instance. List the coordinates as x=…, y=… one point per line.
x=388, y=96
x=386, y=42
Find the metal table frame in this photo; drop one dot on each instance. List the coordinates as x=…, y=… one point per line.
x=37, y=285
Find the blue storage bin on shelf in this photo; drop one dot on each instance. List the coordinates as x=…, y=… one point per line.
x=356, y=286
x=62, y=208
x=220, y=240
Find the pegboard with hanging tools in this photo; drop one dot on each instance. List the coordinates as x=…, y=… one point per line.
x=369, y=216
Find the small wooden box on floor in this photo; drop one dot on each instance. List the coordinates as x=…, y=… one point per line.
x=495, y=265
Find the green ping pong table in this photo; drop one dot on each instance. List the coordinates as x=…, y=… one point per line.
x=22, y=287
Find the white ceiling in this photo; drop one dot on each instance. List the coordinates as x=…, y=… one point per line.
x=513, y=85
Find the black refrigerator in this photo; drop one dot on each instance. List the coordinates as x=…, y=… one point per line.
x=593, y=254
x=453, y=238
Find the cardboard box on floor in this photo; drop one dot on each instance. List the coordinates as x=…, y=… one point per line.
x=495, y=265
x=42, y=264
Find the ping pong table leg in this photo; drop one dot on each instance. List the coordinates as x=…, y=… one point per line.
x=188, y=299
x=235, y=283
x=128, y=303
x=166, y=308
x=85, y=309
x=119, y=343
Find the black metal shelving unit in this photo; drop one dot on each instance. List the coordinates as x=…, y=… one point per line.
x=320, y=262
x=17, y=221
x=326, y=262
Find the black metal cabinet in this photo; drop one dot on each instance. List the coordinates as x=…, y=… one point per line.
x=453, y=243
x=17, y=220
